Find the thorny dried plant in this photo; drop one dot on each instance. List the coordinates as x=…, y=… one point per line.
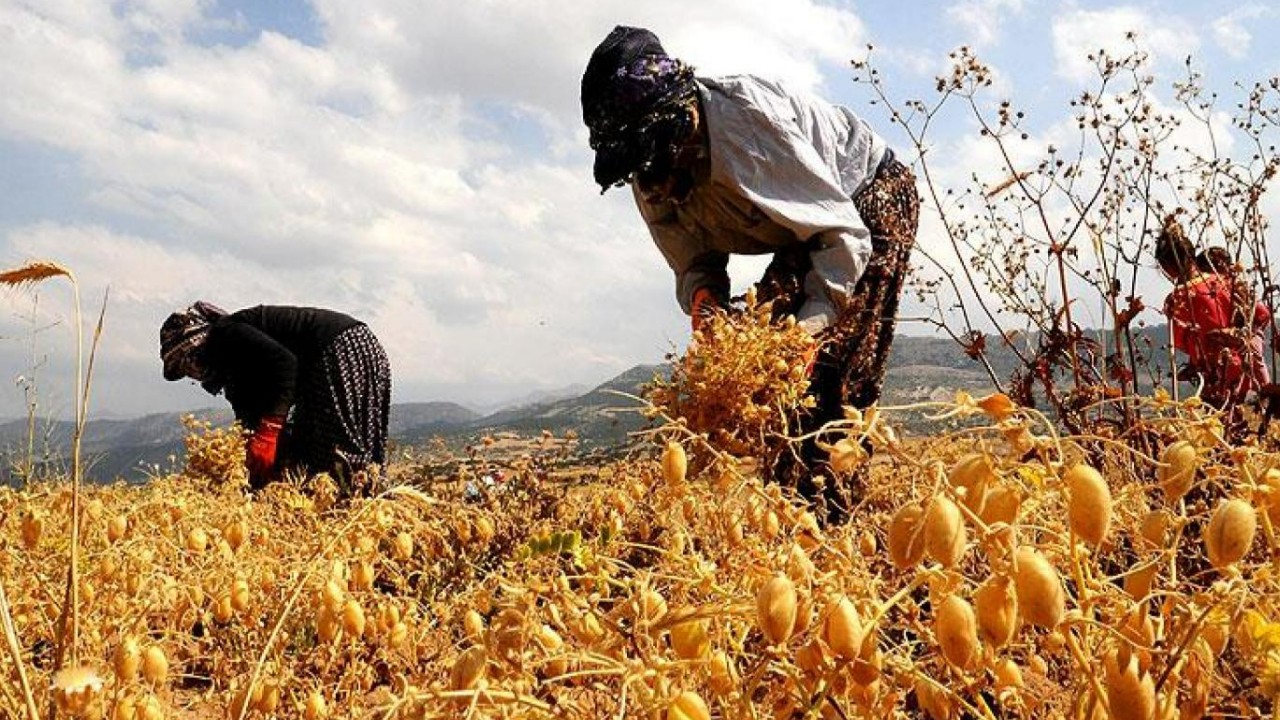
x=1066, y=226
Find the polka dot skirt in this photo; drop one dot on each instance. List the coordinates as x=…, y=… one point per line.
x=343, y=408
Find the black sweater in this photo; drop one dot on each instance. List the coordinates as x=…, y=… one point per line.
x=261, y=356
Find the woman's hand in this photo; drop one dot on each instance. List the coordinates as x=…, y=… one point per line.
x=705, y=303
x=260, y=451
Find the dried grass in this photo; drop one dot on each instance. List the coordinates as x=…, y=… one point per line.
x=33, y=272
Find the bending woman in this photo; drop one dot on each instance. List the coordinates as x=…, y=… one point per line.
x=739, y=164
x=324, y=366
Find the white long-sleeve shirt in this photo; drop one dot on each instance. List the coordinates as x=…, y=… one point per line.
x=782, y=170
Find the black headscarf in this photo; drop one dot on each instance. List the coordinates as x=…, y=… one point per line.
x=182, y=338
x=636, y=101
x=1174, y=251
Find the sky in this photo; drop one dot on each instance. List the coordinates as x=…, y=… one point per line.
x=422, y=165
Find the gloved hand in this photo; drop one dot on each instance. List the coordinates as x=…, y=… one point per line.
x=260, y=451
x=705, y=302
x=810, y=359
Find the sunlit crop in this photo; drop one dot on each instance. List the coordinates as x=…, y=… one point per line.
x=999, y=570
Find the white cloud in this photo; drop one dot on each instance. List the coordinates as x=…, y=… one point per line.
x=1231, y=31
x=161, y=19
x=449, y=319
x=378, y=178
x=980, y=20
x=533, y=52
x=280, y=173
x=913, y=61
x=423, y=167
x=146, y=282
x=1079, y=33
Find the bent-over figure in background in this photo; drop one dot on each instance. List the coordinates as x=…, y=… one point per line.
x=312, y=386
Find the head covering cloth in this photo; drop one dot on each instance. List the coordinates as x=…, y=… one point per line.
x=182, y=337
x=636, y=101
x=1173, y=250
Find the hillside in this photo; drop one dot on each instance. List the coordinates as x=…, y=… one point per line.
x=920, y=369
x=128, y=448
x=602, y=415
x=415, y=421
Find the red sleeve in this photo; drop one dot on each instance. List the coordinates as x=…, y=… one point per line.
x=1184, y=340
x=1261, y=316
x=1194, y=309
x=1176, y=308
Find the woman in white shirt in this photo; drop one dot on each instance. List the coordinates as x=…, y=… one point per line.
x=740, y=164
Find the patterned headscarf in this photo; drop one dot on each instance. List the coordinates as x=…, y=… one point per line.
x=181, y=338
x=636, y=102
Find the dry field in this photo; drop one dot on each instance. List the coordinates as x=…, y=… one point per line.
x=995, y=570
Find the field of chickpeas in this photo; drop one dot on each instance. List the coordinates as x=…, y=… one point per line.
x=996, y=569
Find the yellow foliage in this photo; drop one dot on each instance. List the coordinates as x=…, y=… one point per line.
x=740, y=380
x=680, y=590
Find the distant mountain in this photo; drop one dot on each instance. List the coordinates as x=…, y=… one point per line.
x=131, y=448
x=923, y=360
x=110, y=448
x=536, y=397
x=423, y=419
x=601, y=416
x=919, y=369
x=916, y=383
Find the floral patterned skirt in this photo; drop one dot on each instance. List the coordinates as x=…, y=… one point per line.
x=855, y=350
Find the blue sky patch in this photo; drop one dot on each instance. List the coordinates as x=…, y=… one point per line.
x=37, y=183
x=237, y=23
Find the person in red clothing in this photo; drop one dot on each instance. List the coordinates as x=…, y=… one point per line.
x=1248, y=315
x=1201, y=309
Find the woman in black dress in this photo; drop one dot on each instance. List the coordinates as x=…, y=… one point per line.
x=318, y=377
